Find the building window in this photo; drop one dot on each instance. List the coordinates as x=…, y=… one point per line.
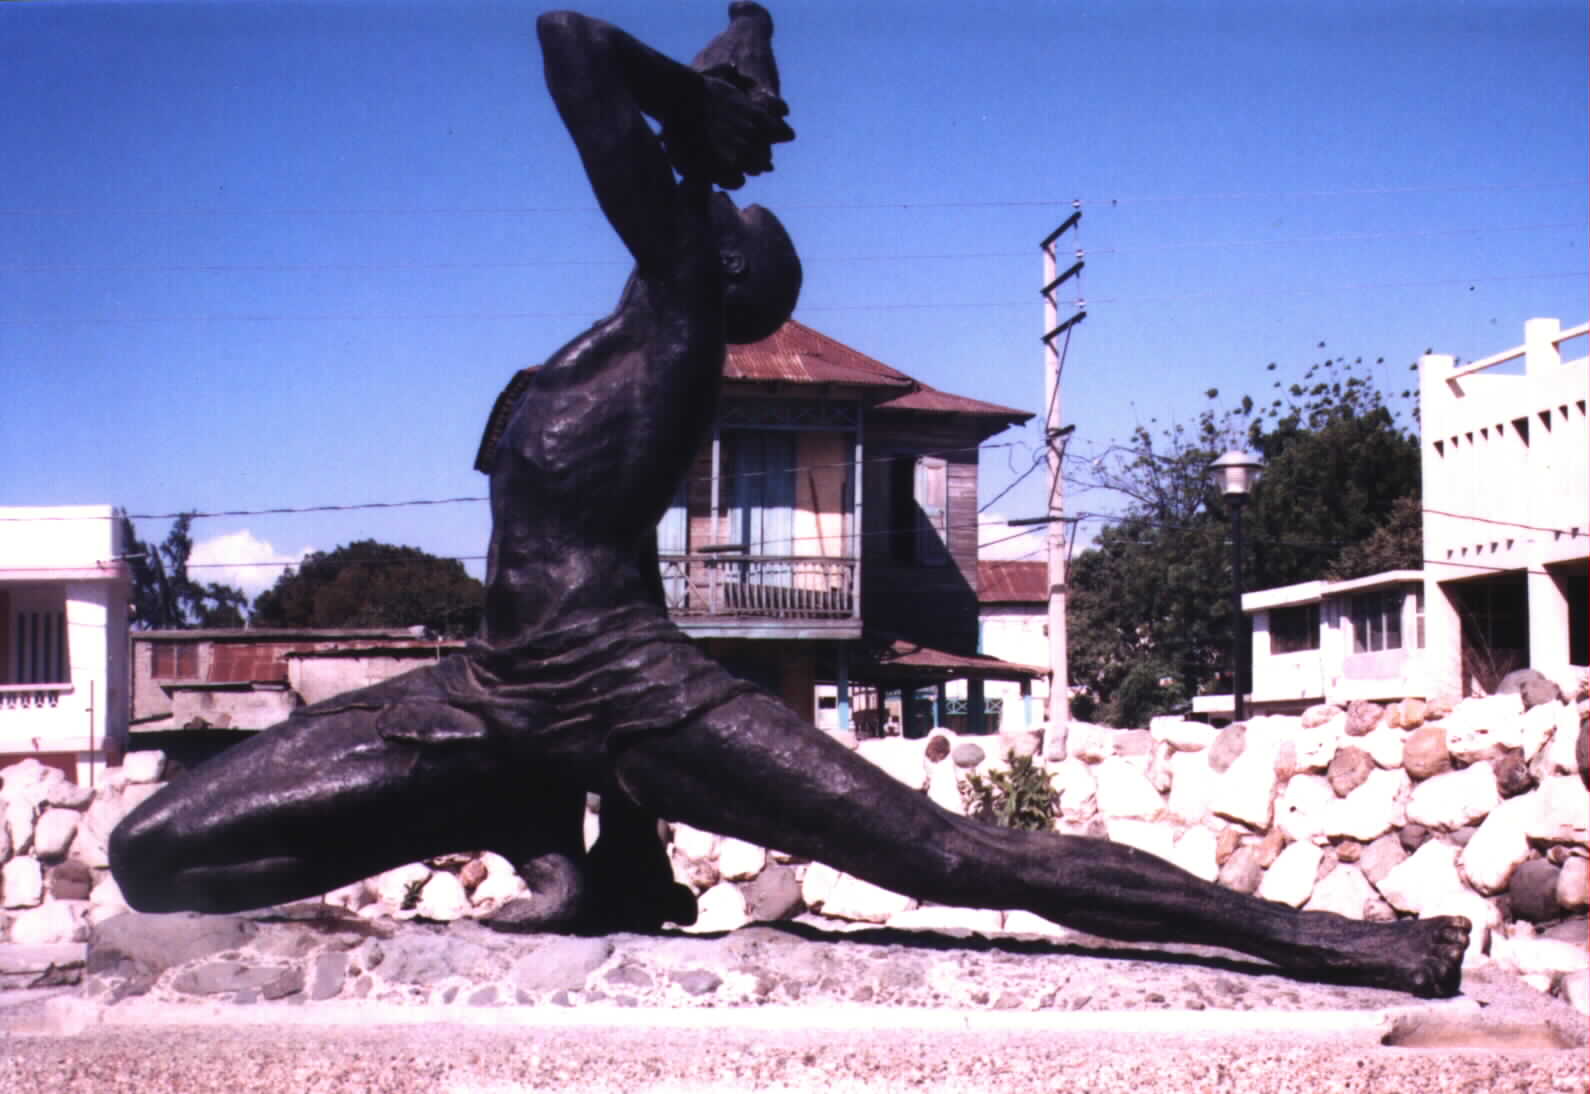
x=174, y=660
x=38, y=647
x=1377, y=621
x=1294, y=629
x=919, y=510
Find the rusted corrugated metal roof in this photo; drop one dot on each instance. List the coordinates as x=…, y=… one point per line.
x=1002, y=581
x=901, y=660
x=797, y=354
x=932, y=400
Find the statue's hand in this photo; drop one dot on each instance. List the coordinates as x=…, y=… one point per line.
x=733, y=134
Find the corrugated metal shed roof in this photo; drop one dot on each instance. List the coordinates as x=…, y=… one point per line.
x=932, y=400
x=1012, y=582
x=797, y=354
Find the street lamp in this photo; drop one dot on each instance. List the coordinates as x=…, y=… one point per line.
x=1234, y=475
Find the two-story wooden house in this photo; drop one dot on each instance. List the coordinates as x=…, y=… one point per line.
x=828, y=532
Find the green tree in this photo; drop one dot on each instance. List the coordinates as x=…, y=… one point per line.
x=372, y=584
x=164, y=597
x=1150, y=604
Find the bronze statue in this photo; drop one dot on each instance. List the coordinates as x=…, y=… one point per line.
x=581, y=683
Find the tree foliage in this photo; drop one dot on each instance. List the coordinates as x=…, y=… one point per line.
x=372, y=584
x=1150, y=602
x=164, y=597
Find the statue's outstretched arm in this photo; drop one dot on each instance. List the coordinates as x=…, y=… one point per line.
x=606, y=83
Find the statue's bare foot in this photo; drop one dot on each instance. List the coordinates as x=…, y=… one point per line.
x=1423, y=957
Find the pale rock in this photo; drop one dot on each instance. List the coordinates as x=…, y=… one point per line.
x=817, y=883
x=1131, y=742
x=1246, y=790
x=970, y=754
x=1384, y=744
x=135, y=794
x=1375, y=807
x=590, y=828
x=1321, y=713
x=936, y=917
x=1021, y=921
x=1414, y=712
x=693, y=843
x=1381, y=857
x=1123, y=792
x=720, y=908
x=1483, y=915
x=107, y=894
x=1497, y=847
x=1575, y=988
x=739, y=860
x=29, y=781
x=1156, y=839
x=1195, y=853
x=1558, y=757
x=351, y=897
x=1426, y=874
x=862, y=902
x=1315, y=745
x=1347, y=892
x=1192, y=787
x=68, y=795
x=145, y=766
x=1348, y=769
x=1088, y=742
x=1078, y=789
x=496, y=865
x=900, y=757
x=443, y=899
x=1477, y=728
x=19, y=824
x=1159, y=767
x=498, y=889
x=1540, y=722
x=53, y=833
x=91, y=844
x=22, y=882
x=1457, y=798
x=1242, y=871
x=53, y=924
x=1363, y=716
x=395, y=886
x=1020, y=742
x=5, y=839
x=944, y=788
x=1180, y=734
x=1561, y=812
x=1302, y=809
x=1290, y=879
x=1539, y=955
x=1573, y=884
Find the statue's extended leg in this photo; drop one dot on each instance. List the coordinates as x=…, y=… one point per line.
x=340, y=791
x=752, y=769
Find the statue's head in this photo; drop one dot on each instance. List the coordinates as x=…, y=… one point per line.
x=761, y=271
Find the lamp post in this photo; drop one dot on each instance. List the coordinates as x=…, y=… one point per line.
x=1234, y=475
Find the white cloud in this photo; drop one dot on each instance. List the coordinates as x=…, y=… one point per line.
x=241, y=559
x=996, y=539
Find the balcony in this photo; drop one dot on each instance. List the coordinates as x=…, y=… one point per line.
x=735, y=595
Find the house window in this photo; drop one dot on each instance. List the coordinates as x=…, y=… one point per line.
x=1294, y=629
x=174, y=660
x=919, y=510
x=33, y=647
x=1377, y=621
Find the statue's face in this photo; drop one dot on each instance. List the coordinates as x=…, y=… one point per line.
x=762, y=272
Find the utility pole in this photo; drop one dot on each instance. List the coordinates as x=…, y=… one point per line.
x=1056, y=338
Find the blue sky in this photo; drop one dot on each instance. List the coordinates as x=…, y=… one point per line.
x=260, y=255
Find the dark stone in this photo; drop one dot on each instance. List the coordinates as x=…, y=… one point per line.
x=1512, y=773
x=70, y=880
x=1531, y=685
x=1412, y=837
x=629, y=976
x=1348, y=770
x=327, y=975
x=1461, y=836
x=1363, y=716
x=1228, y=745
x=1581, y=750
x=137, y=948
x=773, y=894
x=216, y=977
x=697, y=981
x=1242, y=870
x=937, y=748
x=1349, y=850
x=1533, y=891
x=1424, y=752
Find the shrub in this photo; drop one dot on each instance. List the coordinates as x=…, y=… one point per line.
x=1017, y=797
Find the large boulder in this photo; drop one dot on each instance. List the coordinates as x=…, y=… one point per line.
x=1497, y=848
x=1375, y=807
x=1290, y=879
x=1424, y=751
x=1124, y=792
x=1479, y=728
x=1457, y=798
x=1532, y=891
x=1348, y=769
x=53, y=833
x=22, y=882
x=1347, y=892
x=1427, y=874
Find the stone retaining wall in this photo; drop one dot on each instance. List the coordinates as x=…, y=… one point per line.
x=1408, y=809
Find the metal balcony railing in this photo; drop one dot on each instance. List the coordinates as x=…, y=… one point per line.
x=760, y=586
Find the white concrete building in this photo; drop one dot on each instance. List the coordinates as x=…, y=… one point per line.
x=1333, y=642
x=1506, y=458
x=64, y=593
